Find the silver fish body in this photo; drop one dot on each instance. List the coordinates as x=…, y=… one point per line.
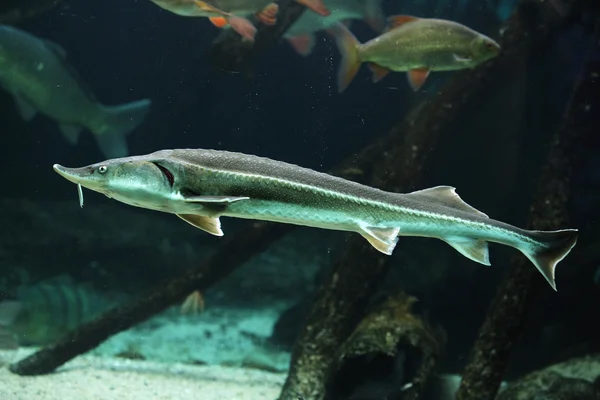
x=200, y=186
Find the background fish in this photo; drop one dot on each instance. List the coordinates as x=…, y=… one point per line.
x=415, y=45
x=47, y=310
x=301, y=34
x=230, y=12
x=35, y=71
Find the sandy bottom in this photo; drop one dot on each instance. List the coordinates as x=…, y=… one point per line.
x=100, y=378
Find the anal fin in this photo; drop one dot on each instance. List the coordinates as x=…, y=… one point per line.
x=382, y=239
x=474, y=249
x=211, y=225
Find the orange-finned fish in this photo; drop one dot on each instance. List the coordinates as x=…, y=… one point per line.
x=231, y=12
x=413, y=45
x=301, y=35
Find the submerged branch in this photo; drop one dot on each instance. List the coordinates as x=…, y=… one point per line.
x=234, y=252
x=506, y=316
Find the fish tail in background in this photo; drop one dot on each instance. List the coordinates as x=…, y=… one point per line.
x=117, y=123
x=552, y=248
x=348, y=46
x=374, y=15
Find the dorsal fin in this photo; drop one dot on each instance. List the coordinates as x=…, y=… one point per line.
x=395, y=21
x=445, y=195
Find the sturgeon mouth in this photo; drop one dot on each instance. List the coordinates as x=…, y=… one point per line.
x=70, y=174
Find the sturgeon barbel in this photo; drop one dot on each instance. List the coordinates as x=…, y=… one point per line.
x=200, y=186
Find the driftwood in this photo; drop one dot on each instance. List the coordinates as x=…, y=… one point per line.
x=506, y=316
x=235, y=251
x=573, y=379
x=231, y=52
x=392, y=352
x=397, y=167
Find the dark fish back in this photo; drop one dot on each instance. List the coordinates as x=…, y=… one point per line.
x=267, y=168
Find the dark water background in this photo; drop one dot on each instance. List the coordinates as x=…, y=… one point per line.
x=290, y=110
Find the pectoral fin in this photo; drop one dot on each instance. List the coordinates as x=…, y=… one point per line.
x=211, y=225
x=214, y=199
x=476, y=250
x=462, y=59
x=219, y=22
x=383, y=239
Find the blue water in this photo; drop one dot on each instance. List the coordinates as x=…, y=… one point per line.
x=287, y=108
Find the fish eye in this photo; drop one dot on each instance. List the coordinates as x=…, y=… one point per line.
x=102, y=169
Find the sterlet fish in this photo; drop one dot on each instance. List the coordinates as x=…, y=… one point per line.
x=200, y=186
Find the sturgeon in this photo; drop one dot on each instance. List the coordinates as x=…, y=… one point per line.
x=200, y=186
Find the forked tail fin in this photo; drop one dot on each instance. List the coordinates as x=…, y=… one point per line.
x=350, y=62
x=552, y=247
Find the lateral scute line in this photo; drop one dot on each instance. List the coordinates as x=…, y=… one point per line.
x=355, y=200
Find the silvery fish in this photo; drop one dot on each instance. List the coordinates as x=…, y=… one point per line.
x=301, y=35
x=231, y=12
x=35, y=71
x=413, y=45
x=200, y=186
